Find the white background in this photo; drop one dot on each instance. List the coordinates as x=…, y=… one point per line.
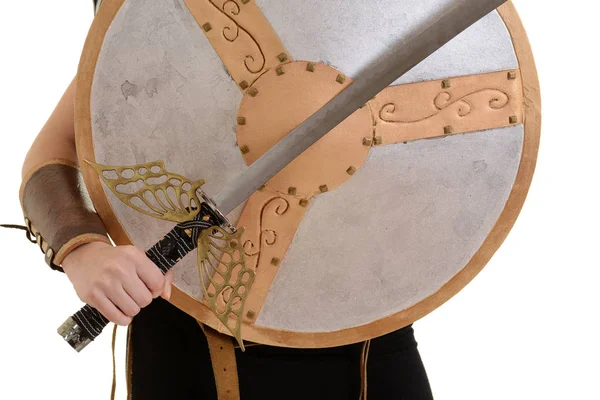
x=527, y=328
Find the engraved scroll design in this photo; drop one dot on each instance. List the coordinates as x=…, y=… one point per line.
x=268, y=237
x=232, y=30
x=152, y=190
x=463, y=107
x=224, y=276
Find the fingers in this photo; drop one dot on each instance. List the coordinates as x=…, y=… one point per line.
x=124, y=302
x=149, y=274
x=137, y=290
x=166, y=294
x=119, y=281
x=110, y=311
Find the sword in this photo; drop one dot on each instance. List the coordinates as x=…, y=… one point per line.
x=87, y=324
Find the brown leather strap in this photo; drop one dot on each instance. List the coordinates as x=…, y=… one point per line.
x=364, y=358
x=222, y=354
x=129, y=364
x=113, y=388
x=58, y=210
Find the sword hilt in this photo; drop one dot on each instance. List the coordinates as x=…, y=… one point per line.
x=87, y=324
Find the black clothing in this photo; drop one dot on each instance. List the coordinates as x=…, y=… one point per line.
x=171, y=360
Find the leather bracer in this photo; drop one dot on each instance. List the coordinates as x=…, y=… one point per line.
x=58, y=211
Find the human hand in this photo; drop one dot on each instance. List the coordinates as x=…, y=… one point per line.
x=117, y=281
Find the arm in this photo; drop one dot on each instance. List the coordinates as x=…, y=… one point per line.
x=56, y=140
x=118, y=281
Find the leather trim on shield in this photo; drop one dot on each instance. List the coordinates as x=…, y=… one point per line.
x=270, y=220
x=241, y=35
x=450, y=106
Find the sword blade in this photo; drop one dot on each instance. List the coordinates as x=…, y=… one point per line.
x=419, y=44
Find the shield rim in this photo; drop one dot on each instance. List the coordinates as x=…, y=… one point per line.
x=278, y=337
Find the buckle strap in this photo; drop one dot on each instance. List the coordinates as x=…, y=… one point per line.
x=222, y=355
x=35, y=237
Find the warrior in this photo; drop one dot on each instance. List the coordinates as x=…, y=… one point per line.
x=302, y=326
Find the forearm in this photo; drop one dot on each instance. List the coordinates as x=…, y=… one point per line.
x=55, y=203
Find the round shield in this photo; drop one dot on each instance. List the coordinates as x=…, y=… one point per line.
x=376, y=225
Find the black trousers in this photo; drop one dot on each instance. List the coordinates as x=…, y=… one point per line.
x=170, y=360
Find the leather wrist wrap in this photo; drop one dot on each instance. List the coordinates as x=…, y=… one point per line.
x=58, y=211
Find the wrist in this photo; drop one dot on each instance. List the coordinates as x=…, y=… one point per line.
x=76, y=255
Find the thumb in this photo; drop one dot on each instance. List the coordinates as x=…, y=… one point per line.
x=166, y=294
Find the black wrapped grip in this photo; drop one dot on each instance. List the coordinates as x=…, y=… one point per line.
x=87, y=324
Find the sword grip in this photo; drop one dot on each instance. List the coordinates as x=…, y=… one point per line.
x=87, y=324
x=83, y=327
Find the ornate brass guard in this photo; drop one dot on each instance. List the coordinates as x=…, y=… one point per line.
x=152, y=190
x=225, y=278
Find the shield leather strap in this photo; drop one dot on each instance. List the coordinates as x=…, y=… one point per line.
x=374, y=226
x=222, y=355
